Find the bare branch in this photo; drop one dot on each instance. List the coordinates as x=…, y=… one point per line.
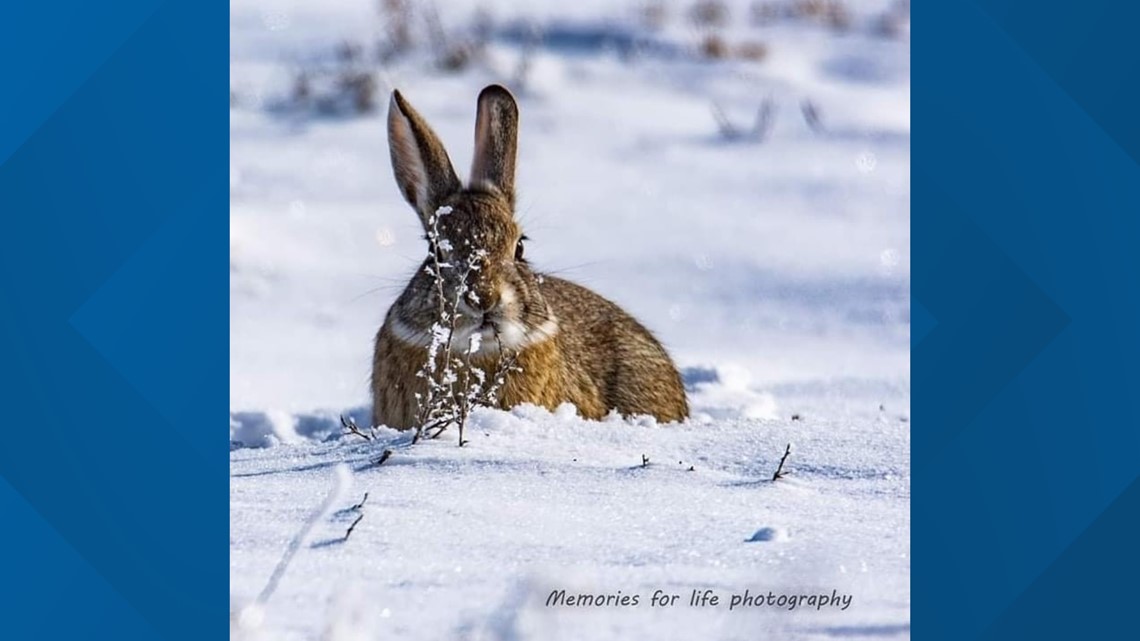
x=765, y=119
x=350, y=427
x=780, y=469
x=812, y=116
x=363, y=500
x=352, y=527
x=728, y=130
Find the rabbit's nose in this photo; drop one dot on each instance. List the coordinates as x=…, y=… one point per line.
x=483, y=298
x=489, y=302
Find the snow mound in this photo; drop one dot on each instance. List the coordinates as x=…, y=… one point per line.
x=769, y=534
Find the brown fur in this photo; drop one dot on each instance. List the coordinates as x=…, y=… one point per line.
x=600, y=359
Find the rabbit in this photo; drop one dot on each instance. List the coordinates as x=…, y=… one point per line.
x=568, y=343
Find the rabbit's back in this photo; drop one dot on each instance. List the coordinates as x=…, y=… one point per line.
x=610, y=358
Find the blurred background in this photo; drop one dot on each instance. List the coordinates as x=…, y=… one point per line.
x=733, y=172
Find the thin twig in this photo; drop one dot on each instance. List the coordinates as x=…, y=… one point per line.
x=352, y=527
x=780, y=469
x=351, y=428
x=727, y=129
x=363, y=500
x=765, y=118
x=454, y=384
x=812, y=116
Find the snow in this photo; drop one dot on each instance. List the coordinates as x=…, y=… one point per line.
x=770, y=534
x=776, y=273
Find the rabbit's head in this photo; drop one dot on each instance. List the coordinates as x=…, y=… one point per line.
x=476, y=259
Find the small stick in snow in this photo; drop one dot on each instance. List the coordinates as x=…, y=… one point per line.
x=384, y=456
x=812, y=116
x=351, y=428
x=765, y=118
x=352, y=527
x=644, y=461
x=362, y=501
x=728, y=131
x=780, y=469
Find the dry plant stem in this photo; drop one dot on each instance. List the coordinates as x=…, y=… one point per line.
x=453, y=385
x=727, y=129
x=428, y=372
x=351, y=428
x=765, y=118
x=780, y=469
x=352, y=527
x=362, y=501
x=812, y=116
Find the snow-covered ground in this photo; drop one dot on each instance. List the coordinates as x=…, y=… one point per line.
x=777, y=274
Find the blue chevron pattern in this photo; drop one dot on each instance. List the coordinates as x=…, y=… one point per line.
x=113, y=323
x=1026, y=190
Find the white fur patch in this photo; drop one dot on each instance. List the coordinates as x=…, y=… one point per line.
x=508, y=296
x=513, y=336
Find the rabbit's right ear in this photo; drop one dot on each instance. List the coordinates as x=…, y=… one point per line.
x=496, y=141
x=423, y=170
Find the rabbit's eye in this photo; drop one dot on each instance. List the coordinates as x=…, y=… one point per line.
x=519, y=250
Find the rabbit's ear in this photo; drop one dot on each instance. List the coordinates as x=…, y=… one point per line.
x=496, y=141
x=423, y=170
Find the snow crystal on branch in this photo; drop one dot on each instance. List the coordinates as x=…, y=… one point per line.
x=455, y=385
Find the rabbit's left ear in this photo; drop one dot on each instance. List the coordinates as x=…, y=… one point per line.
x=420, y=163
x=496, y=141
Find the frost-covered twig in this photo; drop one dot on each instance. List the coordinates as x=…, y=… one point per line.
x=455, y=385
x=780, y=469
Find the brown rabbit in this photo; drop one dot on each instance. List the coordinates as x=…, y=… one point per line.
x=569, y=344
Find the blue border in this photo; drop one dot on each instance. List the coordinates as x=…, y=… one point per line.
x=114, y=319
x=1026, y=331
x=114, y=331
